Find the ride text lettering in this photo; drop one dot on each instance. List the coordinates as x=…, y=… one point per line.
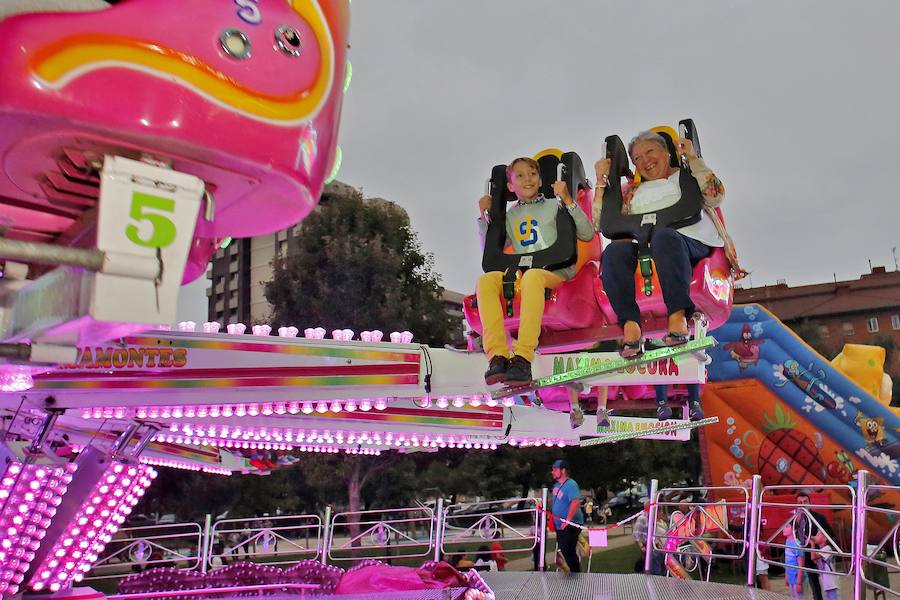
x=129, y=358
x=666, y=367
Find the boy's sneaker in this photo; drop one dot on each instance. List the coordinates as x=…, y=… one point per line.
x=695, y=411
x=663, y=412
x=518, y=372
x=496, y=372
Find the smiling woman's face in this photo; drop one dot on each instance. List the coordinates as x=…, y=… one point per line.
x=651, y=160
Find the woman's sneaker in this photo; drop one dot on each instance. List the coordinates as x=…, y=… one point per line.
x=518, y=372
x=676, y=339
x=496, y=372
x=695, y=411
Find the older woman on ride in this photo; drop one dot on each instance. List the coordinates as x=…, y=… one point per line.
x=675, y=251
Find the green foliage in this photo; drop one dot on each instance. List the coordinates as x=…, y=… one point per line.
x=613, y=467
x=503, y=473
x=810, y=331
x=890, y=347
x=191, y=496
x=356, y=263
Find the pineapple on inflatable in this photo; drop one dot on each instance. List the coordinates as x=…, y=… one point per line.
x=787, y=456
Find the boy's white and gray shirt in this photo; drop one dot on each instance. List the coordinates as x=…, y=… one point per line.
x=531, y=227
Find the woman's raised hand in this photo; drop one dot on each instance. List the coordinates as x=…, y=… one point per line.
x=685, y=148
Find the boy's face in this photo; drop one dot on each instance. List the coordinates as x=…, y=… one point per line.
x=788, y=531
x=525, y=182
x=819, y=539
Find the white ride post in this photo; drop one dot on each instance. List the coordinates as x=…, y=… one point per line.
x=145, y=228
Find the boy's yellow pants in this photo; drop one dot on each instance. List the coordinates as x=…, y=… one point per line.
x=491, y=310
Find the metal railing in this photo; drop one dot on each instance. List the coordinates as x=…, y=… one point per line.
x=514, y=523
x=278, y=540
x=381, y=534
x=728, y=523
x=876, y=563
x=250, y=591
x=705, y=521
x=805, y=522
x=699, y=530
x=134, y=549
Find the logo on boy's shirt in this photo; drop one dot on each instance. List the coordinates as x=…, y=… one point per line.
x=528, y=232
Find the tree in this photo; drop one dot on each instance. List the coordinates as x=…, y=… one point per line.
x=886, y=342
x=810, y=331
x=357, y=263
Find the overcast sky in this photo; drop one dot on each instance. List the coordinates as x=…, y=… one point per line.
x=796, y=104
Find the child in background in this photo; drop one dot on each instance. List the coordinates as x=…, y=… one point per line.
x=793, y=558
x=497, y=553
x=824, y=559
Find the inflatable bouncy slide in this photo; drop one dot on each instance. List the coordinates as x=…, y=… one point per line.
x=790, y=415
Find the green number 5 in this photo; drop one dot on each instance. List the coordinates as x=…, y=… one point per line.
x=163, y=231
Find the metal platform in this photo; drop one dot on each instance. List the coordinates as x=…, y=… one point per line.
x=582, y=586
x=562, y=586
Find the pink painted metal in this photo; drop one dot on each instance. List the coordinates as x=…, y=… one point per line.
x=153, y=78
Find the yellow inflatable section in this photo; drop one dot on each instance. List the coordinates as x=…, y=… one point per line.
x=865, y=366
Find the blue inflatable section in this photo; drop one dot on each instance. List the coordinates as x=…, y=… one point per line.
x=755, y=344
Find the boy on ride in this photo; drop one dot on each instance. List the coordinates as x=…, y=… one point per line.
x=530, y=226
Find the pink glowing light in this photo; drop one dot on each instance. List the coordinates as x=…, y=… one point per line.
x=262, y=330
x=288, y=332
x=187, y=326
x=236, y=328
x=211, y=327
x=23, y=519
x=15, y=379
x=314, y=333
x=371, y=336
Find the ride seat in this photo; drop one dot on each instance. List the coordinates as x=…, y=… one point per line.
x=572, y=305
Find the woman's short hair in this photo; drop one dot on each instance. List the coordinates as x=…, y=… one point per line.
x=648, y=136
